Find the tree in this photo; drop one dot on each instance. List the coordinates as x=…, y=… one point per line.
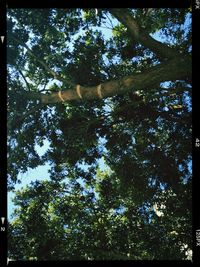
x=124, y=98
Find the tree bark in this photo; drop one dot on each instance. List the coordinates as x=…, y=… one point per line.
x=171, y=70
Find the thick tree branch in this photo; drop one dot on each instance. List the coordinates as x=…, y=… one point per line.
x=171, y=70
x=138, y=34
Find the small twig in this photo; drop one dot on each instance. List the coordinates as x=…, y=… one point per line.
x=27, y=84
x=110, y=21
x=107, y=27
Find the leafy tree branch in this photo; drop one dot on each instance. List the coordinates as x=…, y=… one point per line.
x=50, y=71
x=141, y=35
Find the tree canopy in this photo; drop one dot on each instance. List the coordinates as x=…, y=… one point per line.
x=110, y=90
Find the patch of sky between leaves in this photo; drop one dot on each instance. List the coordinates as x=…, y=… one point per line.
x=162, y=38
x=39, y=173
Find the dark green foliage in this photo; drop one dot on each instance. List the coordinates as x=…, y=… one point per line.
x=114, y=160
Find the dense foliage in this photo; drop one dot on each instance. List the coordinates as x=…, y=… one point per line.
x=120, y=178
